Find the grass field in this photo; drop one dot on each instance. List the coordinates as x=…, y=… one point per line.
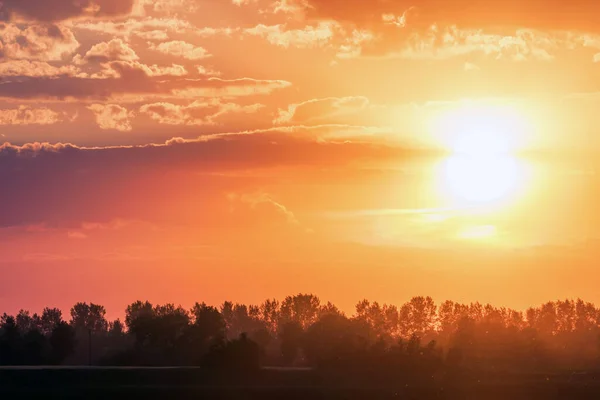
x=273, y=383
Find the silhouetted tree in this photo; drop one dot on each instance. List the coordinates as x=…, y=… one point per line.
x=49, y=320
x=291, y=336
x=417, y=317
x=116, y=328
x=335, y=341
x=89, y=317
x=383, y=320
x=139, y=317
x=27, y=322
x=62, y=342
x=238, y=355
x=170, y=324
x=10, y=341
x=240, y=319
x=302, y=309
x=377, y=341
x=35, y=348
x=209, y=318
x=270, y=314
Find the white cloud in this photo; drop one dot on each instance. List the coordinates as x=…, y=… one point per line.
x=25, y=115
x=196, y=113
x=112, y=116
x=178, y=48
x=309, y=36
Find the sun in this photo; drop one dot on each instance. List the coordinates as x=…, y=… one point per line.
x=482, y=167
x=481, y=180
x=479, y=129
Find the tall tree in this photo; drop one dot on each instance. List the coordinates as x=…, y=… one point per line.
x=139, y=318
x=89, y=317
x=62, y=342
x=49, y=320
x=383, y=320
x=10, y=341
x=210, y=321
x=27, y=322
x=240, y=318
x=291, y=335
x=418, y=316
x=301, y=308
x=270, y=314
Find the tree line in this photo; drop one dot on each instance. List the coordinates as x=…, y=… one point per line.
x=420, y=336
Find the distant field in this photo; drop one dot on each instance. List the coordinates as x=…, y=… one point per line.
x=269, y=383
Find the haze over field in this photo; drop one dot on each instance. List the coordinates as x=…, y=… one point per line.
x=172, y=150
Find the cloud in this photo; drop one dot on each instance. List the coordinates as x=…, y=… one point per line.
x=442, y=29
x=28, y=68
x=471, y=67
x=309, y=36
x=95, y=180
x=152, y=35
x=196, y=113
x=293, y=7
x=115, y=224
x=178, y=48
x=260, y=209
x=112, y=116
x=319, y=109
x=29, y=116
x=574, y=15
x=440, y=43
x=170, y=6
x=448, y=41
x=400, y=21
x=116, y=56
x=76, y=235
x=149, y=28
x=116, y=69
x=202, y=70
x=133, y=81
x=114, y=50
x=218, y=87
x=36, y=42
x=60, y=10
x=352, y=45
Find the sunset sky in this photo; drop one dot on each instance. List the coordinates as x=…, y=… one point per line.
x=183, y=150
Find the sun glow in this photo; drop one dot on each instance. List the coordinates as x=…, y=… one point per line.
x=482, y=129
x=478, y=232
x=482, y=168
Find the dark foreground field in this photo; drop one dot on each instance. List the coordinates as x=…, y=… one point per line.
x=193, y=383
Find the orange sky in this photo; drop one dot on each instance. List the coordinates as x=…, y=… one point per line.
x=183, y=150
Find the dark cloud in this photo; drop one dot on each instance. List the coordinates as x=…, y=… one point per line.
x=131, y=78
x=60, y=10
x=56, y=183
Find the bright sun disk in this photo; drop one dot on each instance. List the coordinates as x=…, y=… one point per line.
x=482, y=168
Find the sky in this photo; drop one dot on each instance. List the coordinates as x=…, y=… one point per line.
x=211, y=150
